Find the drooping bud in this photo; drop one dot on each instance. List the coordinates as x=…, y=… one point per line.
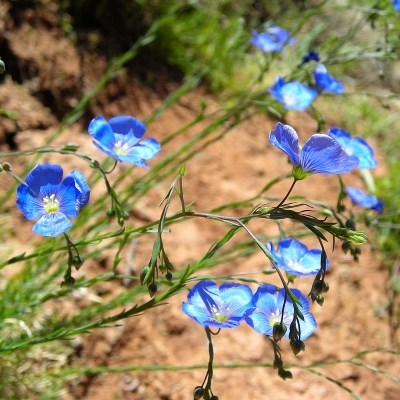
x=198, y=393
x=278, y=331
x=320, y=300
x=297, y=346
x=285, y=374
x=152, y=288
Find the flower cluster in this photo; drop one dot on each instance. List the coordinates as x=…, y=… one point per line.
x=321, y=154
x=51, y=200
x=226, y=306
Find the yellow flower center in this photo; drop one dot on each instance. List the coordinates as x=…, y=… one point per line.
x=51, y=204
x=218, y=315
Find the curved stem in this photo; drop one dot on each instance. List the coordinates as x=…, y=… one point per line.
x=287, y=194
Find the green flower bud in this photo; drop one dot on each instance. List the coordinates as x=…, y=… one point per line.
x=278, y=331
x=77, y=261
x=144, y=275
x=7, y=167
x=319, y=287
x=320, y=300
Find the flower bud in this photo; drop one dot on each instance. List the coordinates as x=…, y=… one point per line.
x=144, y=274
x=279, y=331
x=168, y=276
x=152, y=288
x=284, y=374
x=319, y=287
x=320, y=299
x=7, y=167
x=77, y=261
x=299, y=174
x=350, y=224
x=198, y=393
x=297, y=346
x=214, y=397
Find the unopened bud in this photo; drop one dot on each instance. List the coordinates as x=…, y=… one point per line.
x=297, y=346
x=144, y=274
x=320, y=300
x=7, y=167
x=198, y=393
x=77, y=261
x=214, y=397
x=284, y=374
x=278, y=331
x=351, y=224
x=168, y=276
x=319, y=287
x=152, y=288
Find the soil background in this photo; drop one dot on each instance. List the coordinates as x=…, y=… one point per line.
x=47, y=73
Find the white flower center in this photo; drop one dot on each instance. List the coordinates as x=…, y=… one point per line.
x=290, y=99
x=51, y=204
x=276, y=318
x=121, y=148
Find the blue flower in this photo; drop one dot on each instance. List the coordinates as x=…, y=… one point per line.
x=326, y=82
x=356, y=147
x=51, y=199
x=396, y=4
x=269, y=306
x=272, y=40
x=312, y=55
x=219, y=307
x=365, y=200
x=295, y=258
x=119, y=138
x=319, y=155
x=293, y=95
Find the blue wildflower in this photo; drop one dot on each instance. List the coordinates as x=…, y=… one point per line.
x=272, y=40
x=219, y=307
x=365, y=200
x=326, y=82
x=51, y=199
x=356, y=147
x=119, y=138
x=293, y=95
x=295, y=258
x=319, y=155
x=312, y=55
x=271, y=308
x=396, y=4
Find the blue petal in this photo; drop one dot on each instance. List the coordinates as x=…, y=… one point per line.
x=204, y=294
x=396, y=4
x=322, y=154
x=237, y=297
x=285, y=138
x=265, y=304
x=82, y=189
x=197, y=314
x=108, y=150
x=364, y=152
x=311, y=263
x=43, y=174
x=30, y=206
x=266, y=42
x=145, y=150
x=276, y=89
x=362, y=199
x=308, y=326
x=102, y=133
x=327, y=82
x=291, y=250
x=341, y=136
x=277, y=258
x=297, y=96
x=125, y=124
x=52, y=225
x=66, y=195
